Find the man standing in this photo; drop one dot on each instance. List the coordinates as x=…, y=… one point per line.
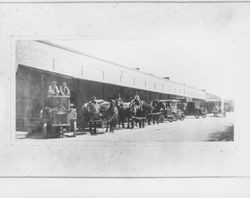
x=136, y=100
x=93, y=100
x=53, y=89
x=64, y=90
x=119, y=100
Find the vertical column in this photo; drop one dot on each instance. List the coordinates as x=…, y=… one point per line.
x=53, y=64
x=103, y=91
x=122, y=92
x=222, y=105
x=43, y=98
x=78, y=97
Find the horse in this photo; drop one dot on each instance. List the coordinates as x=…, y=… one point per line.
x=127, y=110
x=139, y=112
x=92, y=111
x=111, y=115
x=155, y=112
x=146, y=111
x=123, y=113
x=99, y=112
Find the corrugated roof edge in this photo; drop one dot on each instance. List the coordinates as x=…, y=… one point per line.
x=116, y=64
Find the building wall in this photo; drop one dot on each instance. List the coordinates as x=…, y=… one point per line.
x=55, y=59
x=38, y=64
x=32, y=88
x=28, y=97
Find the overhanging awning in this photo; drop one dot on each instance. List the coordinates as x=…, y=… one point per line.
x=212, y=97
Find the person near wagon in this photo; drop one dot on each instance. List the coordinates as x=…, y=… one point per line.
x=53, y=89
x=93, y=100
x=137, y=100
x=64, y=90
x=119, y=100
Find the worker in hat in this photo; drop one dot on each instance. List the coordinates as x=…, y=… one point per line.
x=64, y=90
x=53, y=89
x=137, y=100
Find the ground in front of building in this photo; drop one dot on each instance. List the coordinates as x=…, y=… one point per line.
x=191, y=129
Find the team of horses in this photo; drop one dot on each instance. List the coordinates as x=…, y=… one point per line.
x=113, y=112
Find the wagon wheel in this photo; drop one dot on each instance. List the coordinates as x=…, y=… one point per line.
x=170, y=119
x=161, y=119
x=196, y=115
x=182, y=117
x=204, y=115
x=175, y=118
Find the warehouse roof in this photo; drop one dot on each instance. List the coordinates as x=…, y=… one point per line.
x=55, y=58
x=212, y=97
x=110, y=62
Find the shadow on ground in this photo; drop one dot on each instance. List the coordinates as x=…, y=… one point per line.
x=227, y=135
x=38, y=134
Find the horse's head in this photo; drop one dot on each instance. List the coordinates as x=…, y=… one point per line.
x=134, y=108
x=112, y=102
x=104, y=106
x=111, y=111
x=93, y=108
x=118, y=103
x=84, y=107
x=113, y=107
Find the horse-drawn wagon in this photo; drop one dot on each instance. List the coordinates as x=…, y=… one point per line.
x=58, y=117
x=98, y=113
x=169, y=109
x=193, y=108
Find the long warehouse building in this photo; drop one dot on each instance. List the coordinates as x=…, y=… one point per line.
x=38, y=63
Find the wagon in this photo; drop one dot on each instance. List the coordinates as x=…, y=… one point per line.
x=171, y=111
x=217, y=112
x=156, y=117
x=193, y=108
x=58, y=117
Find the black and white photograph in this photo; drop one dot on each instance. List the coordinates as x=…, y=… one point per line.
x=62, y=91
x=124, y=91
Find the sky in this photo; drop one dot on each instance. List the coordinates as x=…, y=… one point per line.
x=201, y=50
